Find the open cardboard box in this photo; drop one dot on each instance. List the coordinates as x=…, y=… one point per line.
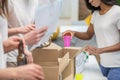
x=57, y=62
x=69, y=72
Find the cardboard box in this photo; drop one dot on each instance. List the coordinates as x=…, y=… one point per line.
x=54, y=69
x=69, y=72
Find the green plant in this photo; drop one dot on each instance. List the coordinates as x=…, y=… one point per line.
x=118, y=2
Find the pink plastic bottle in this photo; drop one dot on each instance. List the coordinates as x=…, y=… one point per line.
x=67, y=39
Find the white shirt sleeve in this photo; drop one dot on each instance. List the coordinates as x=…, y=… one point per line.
x=92, y=18
x=118, y=23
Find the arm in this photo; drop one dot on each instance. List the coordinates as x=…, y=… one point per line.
x=94, y=50
x=27, y=72
x=82, y=35
x=85, y=35
x=11, y=43
x=13, y=31
x=21, y=30
x=113, y=48
x=5, y=75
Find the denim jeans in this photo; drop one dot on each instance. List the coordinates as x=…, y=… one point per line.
x=111, y=73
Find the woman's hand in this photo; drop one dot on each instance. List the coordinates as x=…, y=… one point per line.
x=69, y=32
x=11, y=43
x=26, y=29
x=34, y=36
x=30, y=72
x=93, y=50
x=27, y=72
x=27, y=53
x=28, y=56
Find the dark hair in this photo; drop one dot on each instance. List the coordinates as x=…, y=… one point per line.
x=4, y=8
x=107, y=2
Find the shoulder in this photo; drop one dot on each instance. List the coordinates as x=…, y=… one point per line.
x=96, y=12
x=116, y=9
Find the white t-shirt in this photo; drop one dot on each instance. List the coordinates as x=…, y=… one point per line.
x=107, y=29
x=3, y=36
x=22, y=13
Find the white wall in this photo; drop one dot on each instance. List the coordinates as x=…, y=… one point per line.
x=70, y=12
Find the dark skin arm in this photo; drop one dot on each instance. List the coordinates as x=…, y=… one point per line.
x=85, y=35
x=96, y=51
x=82, y=35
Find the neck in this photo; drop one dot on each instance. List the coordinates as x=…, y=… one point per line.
x=104, y=8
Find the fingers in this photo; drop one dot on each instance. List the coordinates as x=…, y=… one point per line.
x=39, y=72
x=29, y=59
x=31, y=27
x=34, y=36
x=68, y=33
x=89, y=49
x=43, y=29
x=30, y=72
x=14, y=40
x=29, y=56
x=38, y=75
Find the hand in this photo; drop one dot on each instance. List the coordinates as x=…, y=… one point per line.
x=28, y=72
x=26, y=29
x=28, y=56
x=93, y=50
x=27, y=53
x=34, y=36
x=11, y=43
x=69, y=32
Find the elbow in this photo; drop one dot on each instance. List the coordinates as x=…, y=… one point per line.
x=89, y=37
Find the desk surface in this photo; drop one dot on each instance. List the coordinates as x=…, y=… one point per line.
x=92, y=70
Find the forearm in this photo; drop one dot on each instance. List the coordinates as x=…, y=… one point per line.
x=8, y=73
x=113, y=48
x=6, y=46
x=13, y=31
x=11, y=43
x=82, y=35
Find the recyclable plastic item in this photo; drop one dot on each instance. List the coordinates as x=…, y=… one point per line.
x=67, y=39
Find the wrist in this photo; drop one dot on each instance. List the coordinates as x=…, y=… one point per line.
x=18, y=30
x=101, y=50
x=5, y=45
x=74, y=33
x=15, y=73
x=25, y=39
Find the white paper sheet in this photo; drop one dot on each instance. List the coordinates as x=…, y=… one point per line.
x=47, y=15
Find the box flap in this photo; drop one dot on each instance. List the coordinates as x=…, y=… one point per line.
x=73, y=48
x=69, y=70
x=53, y=46
x=70, y=77
x=73, y=51
x=63, y=62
